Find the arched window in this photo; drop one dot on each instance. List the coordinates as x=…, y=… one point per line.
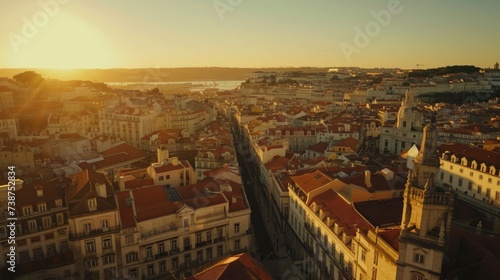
x=416, y=275
x=404, y=123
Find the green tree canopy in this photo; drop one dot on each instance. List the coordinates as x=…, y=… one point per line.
x=29, y=78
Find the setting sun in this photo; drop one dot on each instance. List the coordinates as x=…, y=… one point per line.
x=65, y=42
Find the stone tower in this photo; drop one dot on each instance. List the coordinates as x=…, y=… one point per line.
x=427, y=213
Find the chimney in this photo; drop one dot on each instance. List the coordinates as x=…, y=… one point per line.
x=368, y=175
x=101, y=190
x=121, y=183
x=174, y=161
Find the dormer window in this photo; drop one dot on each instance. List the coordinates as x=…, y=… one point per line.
x=39, y=191
x=58, y=202
x=483, y=167
x=92, y=204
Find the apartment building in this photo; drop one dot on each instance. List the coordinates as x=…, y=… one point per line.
x=42, y=231
x=94, y=225
x=211, y=158
x=9, y=125
x=128, y=124
x=192, y=120
x=172, y=231
x=473, y=173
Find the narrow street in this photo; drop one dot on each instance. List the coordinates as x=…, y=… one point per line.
x=262, y=239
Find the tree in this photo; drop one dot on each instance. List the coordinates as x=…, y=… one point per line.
x=29, y=78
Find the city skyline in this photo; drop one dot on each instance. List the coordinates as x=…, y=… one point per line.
x=239, y=33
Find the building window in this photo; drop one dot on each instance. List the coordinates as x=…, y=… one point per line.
x=163, y=267
x=131, y=257
x=91, y=263
x=24, y=256
x=47, y=222
x=441, y=175
x=32, y=225
x=109, y=273
x=480, y=177
x=416, y=276
x=497, y=196
x=149, y=252
x=151, y=270
x=472, y=174
x=198, y=238
x=27, y=210
x=60, y=218
x=175, y=263
x=87, y=227
x=236, y=227
x=132, y=273
x=220, y=251
x=161, y=248
x=363, y=256
x=129, y=239
x=488, y=193
x=106, y=243
x=161, y=178
x=236, y=244
x=92, y=204
x=450, y=179
x=51, y=250
x=418, y=258
x=42, y=207
x=90, y=246
x=173, y=244
x=209, y=253
x=107, y=259
x=460, y=181
x=187, y=244
x=479, y=189
x=37, y=253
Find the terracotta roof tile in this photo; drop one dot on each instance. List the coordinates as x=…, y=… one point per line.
x=125, y=211
x=241, y=267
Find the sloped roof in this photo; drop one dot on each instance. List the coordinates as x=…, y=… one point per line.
x=342, y=212
x=318, y=147
x=241, y=267
x=472, y=153
x=310, y=181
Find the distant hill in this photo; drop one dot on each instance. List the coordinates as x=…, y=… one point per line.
x=154, y=74
x=469, y=69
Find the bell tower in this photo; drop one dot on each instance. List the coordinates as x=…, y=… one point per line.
x=427, y=213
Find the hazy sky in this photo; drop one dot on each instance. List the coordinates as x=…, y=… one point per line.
x=248, y=33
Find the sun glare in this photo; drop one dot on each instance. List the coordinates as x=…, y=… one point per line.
x=66, y=43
